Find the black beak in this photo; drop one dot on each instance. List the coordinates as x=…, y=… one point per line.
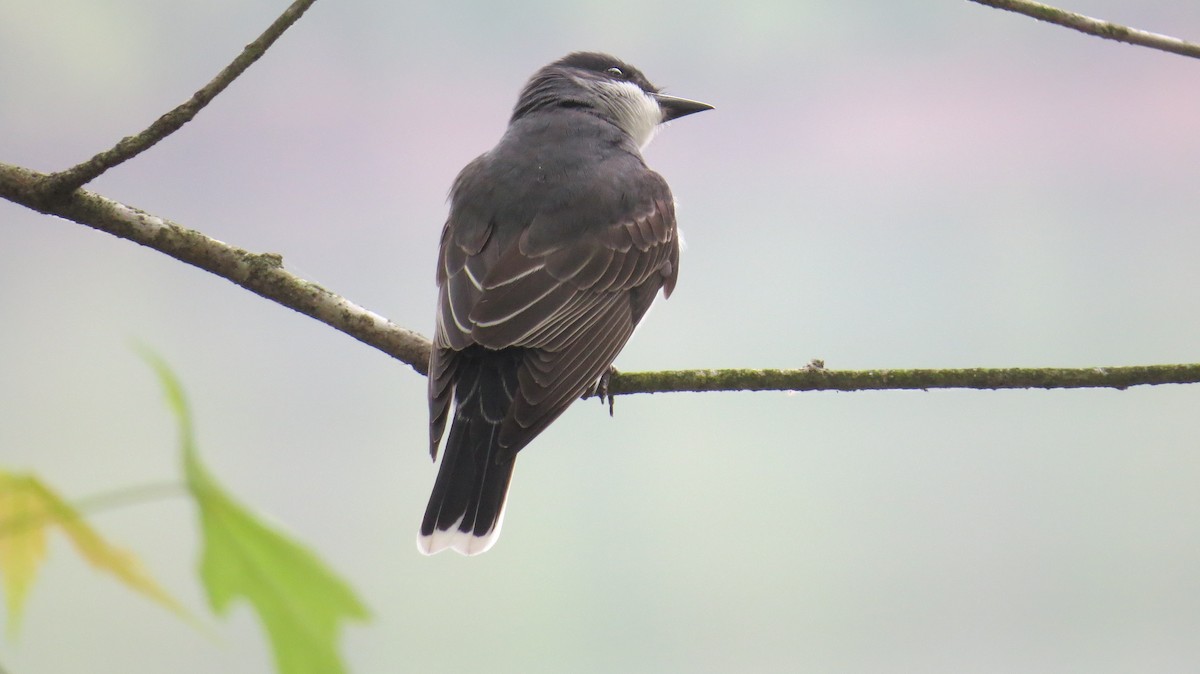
x=674, y=107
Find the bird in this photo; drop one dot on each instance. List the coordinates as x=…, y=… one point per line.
x=557, y=241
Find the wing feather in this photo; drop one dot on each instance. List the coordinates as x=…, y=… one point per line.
x=553, y=336
x=600, y=258
x=460, y=294
x=572, y=368
x=442, y=375
x=619, y=274
x=571, y=374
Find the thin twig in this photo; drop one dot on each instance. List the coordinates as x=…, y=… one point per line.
x=131, y=146
x=1097, y=27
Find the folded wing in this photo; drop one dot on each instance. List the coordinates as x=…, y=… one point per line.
x=569, y=302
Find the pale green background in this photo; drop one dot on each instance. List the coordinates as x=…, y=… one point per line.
x=882, y=184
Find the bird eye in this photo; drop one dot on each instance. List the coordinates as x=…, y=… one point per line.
x=615, y=72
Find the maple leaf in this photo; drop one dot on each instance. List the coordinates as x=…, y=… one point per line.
x=300, y=601
x=28, y=508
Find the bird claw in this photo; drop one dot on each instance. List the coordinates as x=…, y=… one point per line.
x=601, y=390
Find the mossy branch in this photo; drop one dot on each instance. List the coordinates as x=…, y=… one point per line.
x=820, y=379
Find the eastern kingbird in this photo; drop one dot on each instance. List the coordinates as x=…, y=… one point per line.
x=557, y=242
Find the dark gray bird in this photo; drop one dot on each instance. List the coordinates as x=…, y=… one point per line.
x=557, y=242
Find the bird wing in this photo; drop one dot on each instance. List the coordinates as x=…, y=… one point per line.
x=570, y=299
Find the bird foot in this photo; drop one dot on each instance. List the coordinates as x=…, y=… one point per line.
x=601, y=389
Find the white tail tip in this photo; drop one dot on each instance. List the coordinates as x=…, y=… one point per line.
x=462, y=542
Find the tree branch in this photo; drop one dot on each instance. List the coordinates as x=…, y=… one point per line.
x=131, y=146
x=1097, y=27
x=263, y=274
x=820, y=379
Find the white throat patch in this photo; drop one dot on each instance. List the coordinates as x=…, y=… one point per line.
x=634, y=110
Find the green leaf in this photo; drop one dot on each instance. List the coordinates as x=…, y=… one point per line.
x=22, y=540
x=28, y=508
x=300, y=601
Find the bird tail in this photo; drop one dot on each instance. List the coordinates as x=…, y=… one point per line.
x=466, y=508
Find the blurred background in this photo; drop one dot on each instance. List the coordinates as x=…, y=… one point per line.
x=881, y=185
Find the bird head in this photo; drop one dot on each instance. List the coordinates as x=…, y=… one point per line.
x=605, y=86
